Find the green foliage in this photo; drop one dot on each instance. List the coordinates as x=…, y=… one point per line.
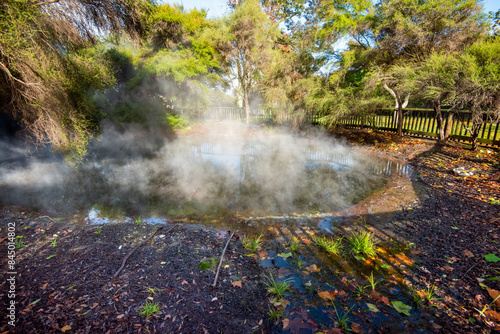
x=149, y=309
x=362, y=243
x=252, y=244
x=19, y=242
x=175, y=122
x=275, y=314
x=331, y=246
x=277, y=288
x=372, y=281
x=401, y=307
x=491, y=258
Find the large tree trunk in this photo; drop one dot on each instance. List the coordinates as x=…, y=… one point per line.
x=449, y=124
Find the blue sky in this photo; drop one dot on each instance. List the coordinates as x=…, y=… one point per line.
x=217, y=8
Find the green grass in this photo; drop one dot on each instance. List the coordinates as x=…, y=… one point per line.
x=252, y=244
x=342, y=321
x=277, y=288
x=362, y=243
x=372, y=281
x=138, y=221
x=19, y=242
x=149, y=309
x=275, y=314
x=294, y=245
x=331, y=246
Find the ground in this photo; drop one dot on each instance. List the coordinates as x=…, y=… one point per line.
x=436, y=231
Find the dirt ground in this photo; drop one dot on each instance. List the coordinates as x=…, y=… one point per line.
x=449, y=224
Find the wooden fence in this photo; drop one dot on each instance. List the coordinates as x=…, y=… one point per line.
x=423, y=123
x=416, y=122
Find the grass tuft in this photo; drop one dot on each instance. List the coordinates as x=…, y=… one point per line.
x=331, y=246
x=149, y=309
x=362, y=243
x=252, y=244
x=277, y=288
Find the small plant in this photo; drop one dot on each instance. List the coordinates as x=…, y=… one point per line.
x=359, y=290
x=343, y=321
x=277, y=288
x=299, y=263
x=331, y=246
x=149, y=309
x=152, y=291
x=138, y=221
x=19, y=242
x=430, y=293
x=294, y=245
x=373, y=284
x=54, y=242
x=362, y=243
x=99, y=230
x=275, y=314
x=251, y=244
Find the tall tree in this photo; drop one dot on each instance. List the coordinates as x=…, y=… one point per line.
x=246, y=45
x=46, y=70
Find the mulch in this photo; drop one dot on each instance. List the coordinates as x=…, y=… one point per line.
x=67, y=285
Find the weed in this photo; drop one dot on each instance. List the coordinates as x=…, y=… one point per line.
x=152, y=291
x=343, y=321
x=359, y=290
x=71, y=286
x=138, y=221
x=430, y=293
x=54, y=242
x=99, y=230
x=277, y=288
x=275, y=314
x=362, y=243
x=19, y=242
x=373, y=284
x=294, y=245
x=331, y=246
x=149, y=309
x=251, y=244
x=299, y=263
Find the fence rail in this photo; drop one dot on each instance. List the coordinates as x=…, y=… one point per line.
x=416, y=122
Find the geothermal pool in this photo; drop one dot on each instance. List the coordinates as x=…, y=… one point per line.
x=219, y=173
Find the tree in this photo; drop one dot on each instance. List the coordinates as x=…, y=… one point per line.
x=46, y=69
x=436, y=82
x=392, y=33
x=479, y=84
x=245, y=43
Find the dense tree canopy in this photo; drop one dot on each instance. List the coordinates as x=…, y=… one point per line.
x=58, y=59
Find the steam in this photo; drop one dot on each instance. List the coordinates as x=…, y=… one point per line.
x=228, y=169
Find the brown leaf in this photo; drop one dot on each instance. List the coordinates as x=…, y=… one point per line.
x=356, y=328
x=313, y=268
x=3, y=239
x=237, y=283
x=121, y=316
x=385, y=300
x=468, y=253
x=286, y=323
x=342, y=293
x=493, y=315
x=327, y=295
x=184, y=282
x=494, y=294
x=65, y=328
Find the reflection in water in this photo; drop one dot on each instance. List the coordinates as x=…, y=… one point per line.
x=193, y=176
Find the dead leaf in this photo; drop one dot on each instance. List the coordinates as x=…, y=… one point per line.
x=286, y=323
x=385, y=300
x=356, y=328
x=3, y=239
x=237, y=283
x=342, y=293
x=479, y=298
x=468, y=253
x=493, y=315
x=184, y=282
x=121, y=316
x=313, y=268
x=327, y=295
x=494, y=294
x=65, y=328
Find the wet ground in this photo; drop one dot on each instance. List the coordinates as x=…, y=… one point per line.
x=431, y=271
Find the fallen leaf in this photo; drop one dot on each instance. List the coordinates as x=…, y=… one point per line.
x=342, y=293
x=327, y=295
x=313, y=268
x=468, y=253
x=385, y=300
x=479, y=298
x=237, y=283
x=184, y=282
x=372, y=308
x=286, y=323
x=401, y=307
x=121, y=316
x=493, y=315
x=65, y=328
x=356, y=328
x=495, y=295
x=491, y=258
